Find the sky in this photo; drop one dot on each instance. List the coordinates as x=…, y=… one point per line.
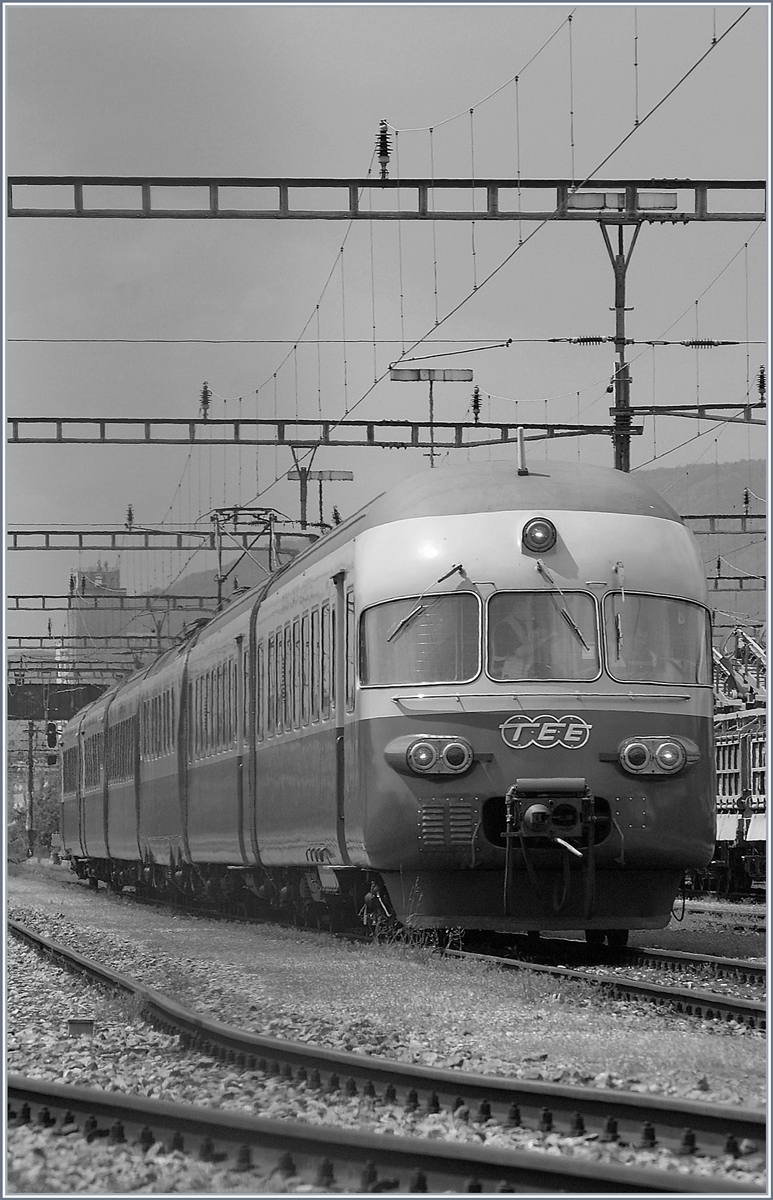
x=299, y=90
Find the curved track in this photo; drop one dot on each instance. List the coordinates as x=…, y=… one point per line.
x=637, y=1119
x=331, y=1157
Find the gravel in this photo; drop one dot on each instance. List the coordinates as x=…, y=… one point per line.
x=381, y=1001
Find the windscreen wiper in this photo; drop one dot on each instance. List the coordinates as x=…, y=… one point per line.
x=564, y=611
x=419, y=607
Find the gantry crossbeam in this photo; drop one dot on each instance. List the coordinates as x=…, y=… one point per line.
x=120, y=538
x=75, y=666
x=260, y=431
x=616, y=201
x=734, y=583
x=701, y=412
x=139, y=642
x=727, y=523
x=143, y=603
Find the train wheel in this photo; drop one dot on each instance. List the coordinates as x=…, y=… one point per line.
x=617, y=939
x=595, y=937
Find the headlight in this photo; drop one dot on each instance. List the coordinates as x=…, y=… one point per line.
x=656, y=755
x=670, y=756
x=635, y=756
x=422, y=756
x=430, y=754
x=539, y=534
x=457, y=756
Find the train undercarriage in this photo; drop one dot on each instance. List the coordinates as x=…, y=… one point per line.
x=315, y=897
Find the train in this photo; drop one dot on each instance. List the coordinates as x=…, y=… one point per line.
x=482, y=702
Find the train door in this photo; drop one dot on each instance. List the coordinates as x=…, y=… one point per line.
x=245, y=810
x=343, y=661
x=79, y=795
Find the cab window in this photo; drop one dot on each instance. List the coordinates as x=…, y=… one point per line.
x=542, y=635
x=657, y=639
x=421, y=639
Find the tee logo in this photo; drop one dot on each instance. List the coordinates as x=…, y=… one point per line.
x=545, y=731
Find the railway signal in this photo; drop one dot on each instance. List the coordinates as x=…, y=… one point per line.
x=52, y=743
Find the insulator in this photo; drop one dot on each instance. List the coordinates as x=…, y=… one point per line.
x=590, y=340
x=383, y=148
x=383, y=144
x=700, y=343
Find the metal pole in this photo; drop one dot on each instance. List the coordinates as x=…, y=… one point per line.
x=219, y=576
x=30, y=821
x=271, y=546
x=621, y=437
x=303, y=476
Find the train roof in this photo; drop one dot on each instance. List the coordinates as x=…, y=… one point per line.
x=497, y=486
x=476, y=487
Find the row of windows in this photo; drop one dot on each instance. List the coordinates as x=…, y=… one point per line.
x=295, y=682
x=70, y=769
x=157, y=725
x=121, y=740
x=92, y=760
x=212, y=700
x=295, y=674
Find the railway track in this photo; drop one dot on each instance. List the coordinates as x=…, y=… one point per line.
x=691, y=1001
x=638, y=1120
x=334, y=1159
x=570, y=950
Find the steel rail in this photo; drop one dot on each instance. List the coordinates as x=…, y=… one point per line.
x=330, y=1153
x=693, y=1001
x=734, y=968
x=534, y=1104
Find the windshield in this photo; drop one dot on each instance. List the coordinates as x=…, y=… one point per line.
x=428, y=639
x=542, y=635
x=655, y=638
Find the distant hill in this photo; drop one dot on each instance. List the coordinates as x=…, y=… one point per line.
x=719, y=488
x=710, y=487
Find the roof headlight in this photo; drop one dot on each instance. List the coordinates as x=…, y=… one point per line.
x=539, y=534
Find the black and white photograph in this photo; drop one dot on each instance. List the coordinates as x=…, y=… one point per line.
x=385, y=491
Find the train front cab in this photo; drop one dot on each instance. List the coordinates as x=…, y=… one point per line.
x=569, y=790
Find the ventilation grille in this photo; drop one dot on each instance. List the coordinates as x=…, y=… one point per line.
x=445, y=825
